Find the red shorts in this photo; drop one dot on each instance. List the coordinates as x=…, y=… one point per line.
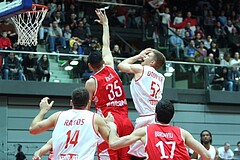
x=124, y=127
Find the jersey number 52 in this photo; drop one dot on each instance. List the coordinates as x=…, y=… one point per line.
x=155, y=88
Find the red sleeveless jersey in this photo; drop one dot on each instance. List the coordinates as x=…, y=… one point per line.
x=165, y=142
x=109, y=95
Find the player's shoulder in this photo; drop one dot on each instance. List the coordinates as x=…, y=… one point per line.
x=90, y=82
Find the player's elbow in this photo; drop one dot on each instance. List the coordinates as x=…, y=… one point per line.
x=33, y=130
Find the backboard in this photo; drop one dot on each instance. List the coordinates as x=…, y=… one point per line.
x=8, y=8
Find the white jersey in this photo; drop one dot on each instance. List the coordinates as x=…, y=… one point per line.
x=74, y=137
x=147, y=90
x=211, y=151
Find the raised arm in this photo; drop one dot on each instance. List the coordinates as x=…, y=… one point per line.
x=39, y=124
x=128, y=65
x=43, y=150
x=106, y=52
x=116, y=143
x=195, y=145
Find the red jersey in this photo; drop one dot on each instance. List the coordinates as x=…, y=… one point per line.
x=165, y=142
x=5, y=42
x=109, y=95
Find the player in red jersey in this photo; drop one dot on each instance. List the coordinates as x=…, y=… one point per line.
x=162, y=141
x=106, y=91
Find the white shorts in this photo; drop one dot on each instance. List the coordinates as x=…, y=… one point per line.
x=138, y=149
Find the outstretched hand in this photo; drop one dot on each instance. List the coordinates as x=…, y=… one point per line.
x=44, y=105
x=102, y=17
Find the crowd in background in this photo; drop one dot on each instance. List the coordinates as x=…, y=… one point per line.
x=196, y=32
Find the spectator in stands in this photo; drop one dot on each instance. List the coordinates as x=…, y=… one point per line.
x=5, y=42
x=166, y=18
x=116, y=52
x=234, y=79
x=222, y=18
x=215, y=51
x=206, y=141
x=178, y=19
x=10, y=28
x=12, y=67
x=221, y=78
x=87, y=26
x=188, y=29
x=225, y=152
x=207, y=42
x=229, y=27
x=177, y=45
x=56, y=35
x=190, y=52
x=198, y=40
x=233, y=16
x=238, y=146
x=76, y=49
x=59, y=18
x=235, y=61
x=45, y=27
x=209, y=22
x=187, y=38
x=80, y=32
x=189, y=18
x=72, y=21
x=201, y=53
x=92, y=46
x=29, y=67
x=67, y=33
x=220, y=34
x=53, y=7
x=43, y=68
x=234, y=40
x=209, y=59
x=237, y=24
x=69, y=12
x=226, y=59
x=199, y=31
x=131, y=18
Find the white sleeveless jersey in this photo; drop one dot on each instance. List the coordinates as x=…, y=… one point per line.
x=211, y=151
x=147, y=90
x=74, y=137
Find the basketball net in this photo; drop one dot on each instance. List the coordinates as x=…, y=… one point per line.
x=28, y=24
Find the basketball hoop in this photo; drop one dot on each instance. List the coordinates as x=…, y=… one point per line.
x=28, y=24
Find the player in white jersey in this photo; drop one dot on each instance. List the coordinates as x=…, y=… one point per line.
x=76, y=130
x=146, y=90
x=206, y=141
